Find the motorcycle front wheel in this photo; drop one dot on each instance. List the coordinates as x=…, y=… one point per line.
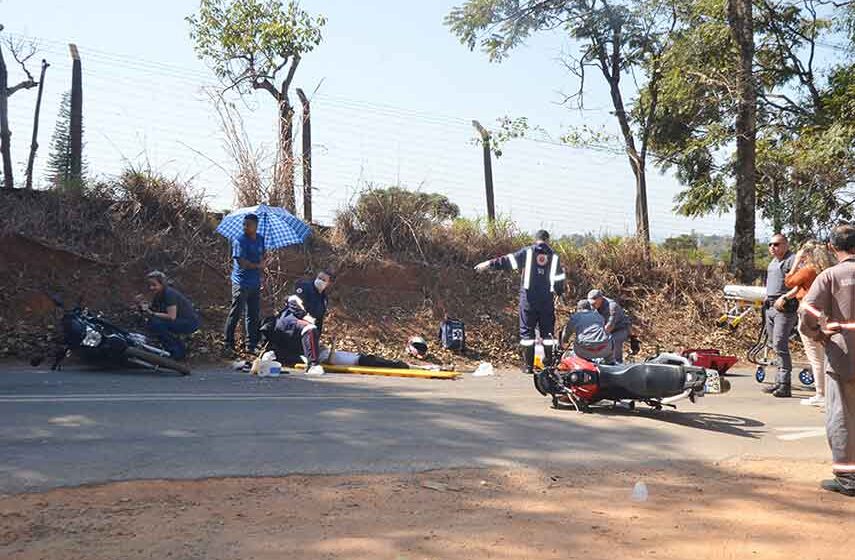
x=157, y=361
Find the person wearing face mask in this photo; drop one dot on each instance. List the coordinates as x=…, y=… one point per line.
x=300, y=324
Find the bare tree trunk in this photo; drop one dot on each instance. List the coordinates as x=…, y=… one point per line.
x=34, y=145
x=284, y=188
x=5, y=133
x=307, y=156
x=740, y=18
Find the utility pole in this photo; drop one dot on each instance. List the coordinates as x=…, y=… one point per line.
x=76, y=119
x=5, y=134
x=307, y=157
x=34, y=145
x=488, y=170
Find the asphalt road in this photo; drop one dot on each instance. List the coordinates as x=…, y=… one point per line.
x=82, y=426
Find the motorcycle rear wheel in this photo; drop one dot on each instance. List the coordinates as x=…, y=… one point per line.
x=157, y=361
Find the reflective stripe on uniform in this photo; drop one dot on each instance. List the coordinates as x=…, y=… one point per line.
x=831, y=324
x=550, y=342
x=527, y=279
x=513, y=260
x=841, y=468
x=307, y=328
x=553, y=272
x=527, y=342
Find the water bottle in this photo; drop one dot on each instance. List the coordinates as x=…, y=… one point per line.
x=639, y=492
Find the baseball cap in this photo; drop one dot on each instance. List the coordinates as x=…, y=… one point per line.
x=595, y=294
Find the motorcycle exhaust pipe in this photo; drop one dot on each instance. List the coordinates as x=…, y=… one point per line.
x=684, y=395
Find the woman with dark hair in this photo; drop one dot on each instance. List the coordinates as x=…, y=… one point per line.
x=810, y=261
x=170, y=313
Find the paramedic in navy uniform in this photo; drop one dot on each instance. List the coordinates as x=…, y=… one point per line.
x=542, y=279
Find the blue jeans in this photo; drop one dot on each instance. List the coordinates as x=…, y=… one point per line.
x=249, y=299
x=166, y=329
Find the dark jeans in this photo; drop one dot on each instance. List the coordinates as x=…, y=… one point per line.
x=249, y=298
x=165, y=330
x=779, y=327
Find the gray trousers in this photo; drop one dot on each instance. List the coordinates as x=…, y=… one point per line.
x=840, y=427
x=779, y=326
x=618, y=338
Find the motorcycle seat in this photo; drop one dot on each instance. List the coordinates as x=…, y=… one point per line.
x=644, y=380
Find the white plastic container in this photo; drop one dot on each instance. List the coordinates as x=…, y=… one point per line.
x=274, y=368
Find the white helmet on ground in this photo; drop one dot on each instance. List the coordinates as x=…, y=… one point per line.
x=417, y=347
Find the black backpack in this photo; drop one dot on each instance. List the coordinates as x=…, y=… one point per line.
x=452, y=335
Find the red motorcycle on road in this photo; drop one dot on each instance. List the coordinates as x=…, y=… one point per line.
x=658, y=382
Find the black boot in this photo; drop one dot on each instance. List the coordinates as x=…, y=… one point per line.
x=783, y=391
x=528, y=359
x=835, y=486
x=548, y=355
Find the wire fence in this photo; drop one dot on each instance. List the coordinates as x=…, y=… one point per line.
x=149, y=113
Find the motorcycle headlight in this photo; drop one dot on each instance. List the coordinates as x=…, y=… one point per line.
x=92, y=338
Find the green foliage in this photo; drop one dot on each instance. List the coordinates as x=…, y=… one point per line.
x=508, y=129
x=59, y=156
x=248, y=42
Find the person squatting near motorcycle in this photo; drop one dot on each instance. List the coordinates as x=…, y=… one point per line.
x=298, y=328
x=169, y=314
x=542, y=280
x=618, y=323
x=827, y=316
x=592, y=342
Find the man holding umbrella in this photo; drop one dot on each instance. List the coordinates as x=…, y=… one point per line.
x=248, y=260
x=253, y=232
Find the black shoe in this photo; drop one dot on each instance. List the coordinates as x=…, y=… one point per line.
x=768, y=389
x=835, y=486
x=783, y=391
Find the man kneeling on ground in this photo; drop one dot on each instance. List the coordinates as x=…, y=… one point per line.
x=592, y=341
x=299, y=326
x=169, y=314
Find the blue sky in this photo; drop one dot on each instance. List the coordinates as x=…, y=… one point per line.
x=395, y=96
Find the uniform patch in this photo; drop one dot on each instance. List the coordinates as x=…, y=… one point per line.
x=542, y=259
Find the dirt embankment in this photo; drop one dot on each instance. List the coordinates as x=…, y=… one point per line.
x=762, y=510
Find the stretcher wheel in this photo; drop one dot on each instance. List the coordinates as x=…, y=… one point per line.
x=806, y=377
x=760, y=374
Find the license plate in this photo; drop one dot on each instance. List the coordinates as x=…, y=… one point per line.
x=713, y=383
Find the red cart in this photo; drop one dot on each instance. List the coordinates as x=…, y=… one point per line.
x=710, y=358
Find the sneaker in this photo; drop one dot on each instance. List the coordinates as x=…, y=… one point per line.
x=816, y=400
x=316, y=369
x=783, y=391
x=769, y=389
x=835, y=486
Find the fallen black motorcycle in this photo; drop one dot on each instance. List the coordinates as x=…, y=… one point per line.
x=97, y=341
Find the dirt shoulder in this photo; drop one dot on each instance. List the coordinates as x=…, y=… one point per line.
x=738, y=509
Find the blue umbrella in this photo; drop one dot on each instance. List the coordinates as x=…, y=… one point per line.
x=279, y=227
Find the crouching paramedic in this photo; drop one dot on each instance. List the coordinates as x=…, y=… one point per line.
x=542, y=279
x=299, y=326
x=618, y=324
x=592, y=341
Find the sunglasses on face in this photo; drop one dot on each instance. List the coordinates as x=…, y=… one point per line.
x=774, y=244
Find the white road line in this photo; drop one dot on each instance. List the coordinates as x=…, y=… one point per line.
x=178, y=398
x=796, y=433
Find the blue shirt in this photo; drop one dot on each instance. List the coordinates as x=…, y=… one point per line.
x=251, y=250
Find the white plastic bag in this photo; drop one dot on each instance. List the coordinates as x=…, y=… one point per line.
x=484, y=369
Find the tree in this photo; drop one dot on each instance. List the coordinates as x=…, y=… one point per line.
x=59, y=167
x=257, y=45
x=616, y=39
x=805, y=148
x=21, y=52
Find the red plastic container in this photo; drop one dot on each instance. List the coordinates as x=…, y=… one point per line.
x=710, y=358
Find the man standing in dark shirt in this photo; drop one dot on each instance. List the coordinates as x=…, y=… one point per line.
x=781, y=313
x=170, y=313
x=248, y=258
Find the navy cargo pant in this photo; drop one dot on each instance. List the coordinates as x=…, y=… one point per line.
x=536, y=315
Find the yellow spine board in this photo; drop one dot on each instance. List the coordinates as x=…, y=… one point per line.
x=388, y=372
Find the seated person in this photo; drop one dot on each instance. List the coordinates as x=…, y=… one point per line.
x=170, y=313
x=592, y=341
x=297, y=331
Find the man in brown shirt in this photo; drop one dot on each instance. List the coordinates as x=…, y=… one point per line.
x=828, y=316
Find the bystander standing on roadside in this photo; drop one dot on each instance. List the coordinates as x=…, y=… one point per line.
x=809, y=262
x=828, y=317
x=781, y=317
x=248, y=260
